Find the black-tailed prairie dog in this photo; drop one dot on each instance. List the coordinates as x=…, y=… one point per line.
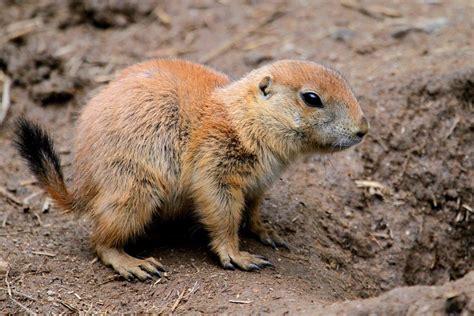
x=172, y=138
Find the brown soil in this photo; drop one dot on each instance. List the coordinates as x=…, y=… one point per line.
x=414, y=76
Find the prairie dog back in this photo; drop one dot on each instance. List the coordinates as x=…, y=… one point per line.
x=146, y=115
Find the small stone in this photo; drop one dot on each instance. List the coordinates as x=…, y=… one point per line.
x=433, y=88
x=256, y=59
x=432, y=2
x=3, y=266
x=343, y=35
x=50, y=293
x=332, y=57
x=428, y=26
x=365, y=48
x=433, y=25
x=452, y=194
x=401, y=32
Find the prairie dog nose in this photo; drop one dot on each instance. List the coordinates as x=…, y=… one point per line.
x=363, y=128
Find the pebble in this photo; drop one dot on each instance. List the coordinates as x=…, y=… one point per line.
x=3, y=266
x=343, y=35
x=428, y=26
x=452, y=194
x=432, y=2
x=433, y=25
x=255, y=59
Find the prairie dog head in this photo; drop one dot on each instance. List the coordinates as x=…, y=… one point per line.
x=307, y=105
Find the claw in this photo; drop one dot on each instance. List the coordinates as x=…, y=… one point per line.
x=269, y=242
x=267, y=264
x=157, y=273
x=253, y=267
x=146, y=276
x=261, y=257
x=228, y=266
x=157, y=264
x=284, y=245
x=271, y=239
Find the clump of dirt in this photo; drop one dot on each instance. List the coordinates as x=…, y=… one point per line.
x=107, y=14
x=43, y=74
x=449, y=299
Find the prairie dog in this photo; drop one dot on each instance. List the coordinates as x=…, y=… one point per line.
x=174, y=138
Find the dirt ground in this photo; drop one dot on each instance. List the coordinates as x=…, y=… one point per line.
x=394, y=212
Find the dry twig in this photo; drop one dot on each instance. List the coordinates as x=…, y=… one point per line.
x=178, y=300
x=295, y=218
x=24, y=295
x=380, y=142
x=9, y=290
x=164, y=17
x=405, y=166
x=68, y=306
x=240, y=302
x=9, y=196
x=294, y=257
x=10, y=295
x=219, y=50
x=19, y=29
x=7, y=83
x=194, y=289
x=31, y=181
x=26, y=201
x=43, y=253
x=40, y=222
x=195, y=267
x=5, y=218
x=375, y=188
x=110, y=279
x=191, y=291
x=453, y=127
x=355, y=5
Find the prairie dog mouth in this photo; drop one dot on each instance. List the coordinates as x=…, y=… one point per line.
x=345, y=143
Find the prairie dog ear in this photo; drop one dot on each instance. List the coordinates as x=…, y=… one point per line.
x=265, y=86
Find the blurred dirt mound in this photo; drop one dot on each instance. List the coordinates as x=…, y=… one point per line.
x=454, y=298
x=107, y=14
x=44, y=76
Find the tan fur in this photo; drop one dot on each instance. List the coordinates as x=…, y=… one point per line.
x=169, y=137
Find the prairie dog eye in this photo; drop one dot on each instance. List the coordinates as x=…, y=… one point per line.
x=312, y=100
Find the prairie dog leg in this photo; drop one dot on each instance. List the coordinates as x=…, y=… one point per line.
x=221, y=214
x=127, y=266
x=119, y=218
x=264, y=232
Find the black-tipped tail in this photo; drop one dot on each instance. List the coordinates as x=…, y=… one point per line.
x=37, y=149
